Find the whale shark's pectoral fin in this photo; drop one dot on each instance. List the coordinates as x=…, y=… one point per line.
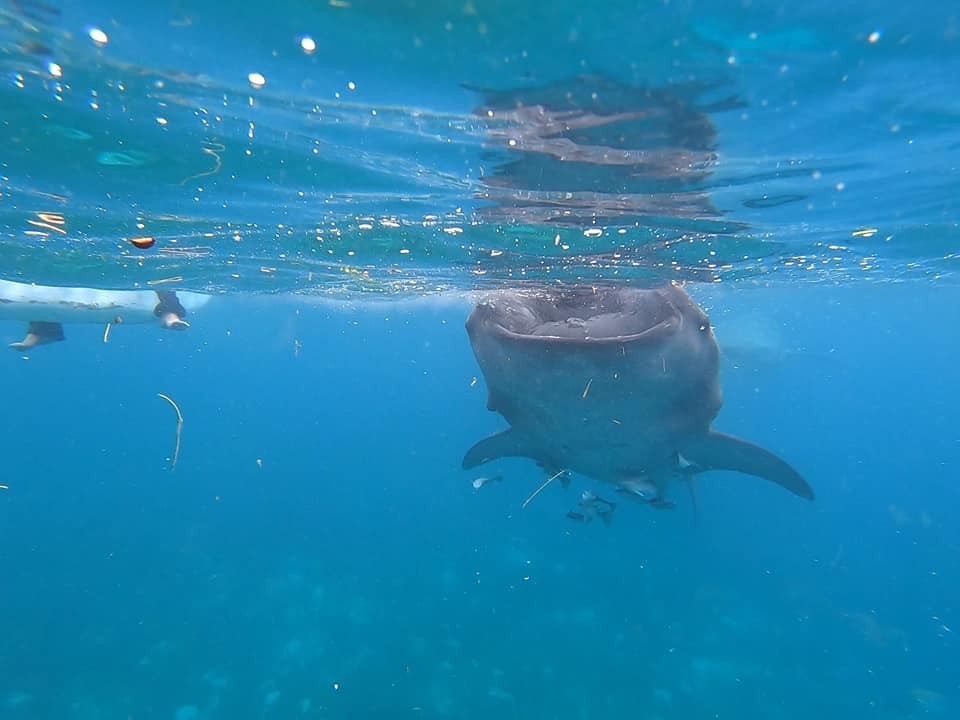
x=40, y=333
x=503, y=444
x=717, y=451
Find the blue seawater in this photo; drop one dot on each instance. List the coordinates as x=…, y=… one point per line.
x=346, y=179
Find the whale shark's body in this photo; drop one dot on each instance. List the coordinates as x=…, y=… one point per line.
x=618, y=384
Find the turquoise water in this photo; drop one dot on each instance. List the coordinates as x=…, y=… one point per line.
x=317, y=552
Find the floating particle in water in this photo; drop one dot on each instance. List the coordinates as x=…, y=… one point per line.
x=162, y=121
x=308, y=44
x=351, y=86
x=176, y=451
x=143, y=243
x=54, y=69
x=98, y=36
x=874, y=37
x=481, y=481
x=257, y=80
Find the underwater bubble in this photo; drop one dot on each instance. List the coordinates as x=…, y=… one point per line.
x=98, y=36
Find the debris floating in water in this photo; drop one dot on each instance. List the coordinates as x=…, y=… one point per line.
x=213, y=149
x=106, y=332
x=586, y=390
x=176, y=450
x=308, y=44
x=143, y=243
x=256, y=80
x=50, y=221
x=541, y=488
x=4, y=487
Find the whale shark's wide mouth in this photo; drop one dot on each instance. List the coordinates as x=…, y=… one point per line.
x=606, y=317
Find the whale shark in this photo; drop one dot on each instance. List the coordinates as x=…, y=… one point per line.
x=619, y=384
x=46, y=308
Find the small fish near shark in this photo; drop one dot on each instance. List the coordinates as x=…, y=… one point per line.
x=620, y=384
x=46, y=309
x=593, y=506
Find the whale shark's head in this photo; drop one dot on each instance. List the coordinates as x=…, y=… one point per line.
x=659, y=338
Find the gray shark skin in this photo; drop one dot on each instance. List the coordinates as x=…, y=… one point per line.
x=617, y=384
